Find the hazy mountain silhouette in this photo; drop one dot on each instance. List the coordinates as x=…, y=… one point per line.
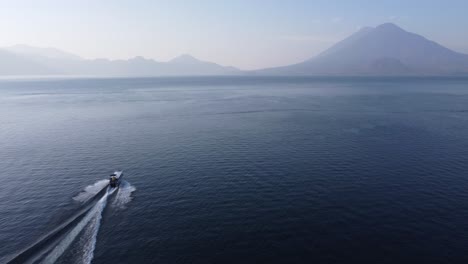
x=27, y=60
x=13, y=64
x=184, y=59
x=50, y=53
x=384, y=50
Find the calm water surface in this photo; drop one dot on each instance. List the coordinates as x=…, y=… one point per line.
x=238, y=169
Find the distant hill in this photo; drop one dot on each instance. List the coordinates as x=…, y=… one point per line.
x=28, y=60
x=50, y=53
x=14, y=64
x=384, y=50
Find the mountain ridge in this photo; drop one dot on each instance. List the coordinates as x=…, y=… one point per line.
x=395, y=50
x=385, y=49
x=47, y=52
x=20, y=60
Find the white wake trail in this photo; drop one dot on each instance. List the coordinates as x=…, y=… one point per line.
x=124, y=195
x=91, y=190
x=94, y=216
x=90, y=237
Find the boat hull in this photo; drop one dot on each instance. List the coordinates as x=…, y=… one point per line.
x=115, y=179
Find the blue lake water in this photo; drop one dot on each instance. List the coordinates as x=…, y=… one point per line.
x=237, y=169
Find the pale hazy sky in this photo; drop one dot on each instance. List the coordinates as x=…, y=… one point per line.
x=248, y=34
